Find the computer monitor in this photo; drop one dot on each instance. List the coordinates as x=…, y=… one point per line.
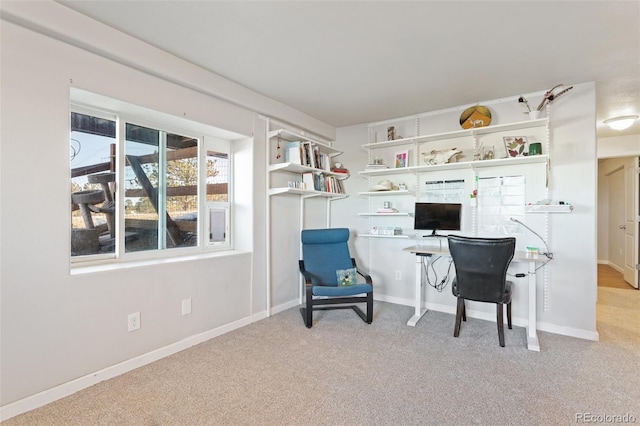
x=437, y=216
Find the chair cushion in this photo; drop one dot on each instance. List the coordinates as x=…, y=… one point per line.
x=346, y=277
x=325, y=251
x=349, y=290
x=508, y=290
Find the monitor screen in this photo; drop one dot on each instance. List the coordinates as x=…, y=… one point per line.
x=437, y=216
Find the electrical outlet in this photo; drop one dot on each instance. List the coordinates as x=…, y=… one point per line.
x=186, y=306
x=134, y=321
x=398, y=275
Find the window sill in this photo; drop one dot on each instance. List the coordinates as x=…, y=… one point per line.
x=111, y=265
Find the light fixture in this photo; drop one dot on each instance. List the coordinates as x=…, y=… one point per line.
x=621, y=123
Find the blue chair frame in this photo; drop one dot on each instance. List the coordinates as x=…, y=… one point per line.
x=324, y=251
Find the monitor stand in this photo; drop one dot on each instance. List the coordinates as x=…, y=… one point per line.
x=434, y=234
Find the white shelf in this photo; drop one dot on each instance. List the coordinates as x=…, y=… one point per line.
x=284, y=133
x=458, y=165
x=305, y=193
x=541, y=122
x=374, y=193
x=385, y=214
x=299, y=168
x=384, y=236
x=555, y=208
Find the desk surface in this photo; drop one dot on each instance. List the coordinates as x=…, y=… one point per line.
x=443, y=250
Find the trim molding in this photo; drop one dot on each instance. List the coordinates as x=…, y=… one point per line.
x=489, y=316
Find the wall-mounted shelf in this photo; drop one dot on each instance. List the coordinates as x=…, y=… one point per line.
x=541, y=122
x=384, y=236
x=385, y=214
x=385, y=193
x=299, y=168
x=306, y=193
x=288, y=134
x=458, y=165
x=555, y=208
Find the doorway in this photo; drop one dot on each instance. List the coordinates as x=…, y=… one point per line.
x=618, y=247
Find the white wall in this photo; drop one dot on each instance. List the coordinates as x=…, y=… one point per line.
x=571, y=293
x=62, y=331
x=619, y=146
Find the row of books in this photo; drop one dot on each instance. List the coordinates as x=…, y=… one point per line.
x=320, y=182
x=306, y=154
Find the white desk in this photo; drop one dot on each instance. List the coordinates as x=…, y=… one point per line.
x=533, y=343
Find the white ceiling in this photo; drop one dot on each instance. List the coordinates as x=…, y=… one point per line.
x=352, y=62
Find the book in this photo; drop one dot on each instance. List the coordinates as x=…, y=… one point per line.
x=345, y=171
x=308, y=181
x=292, y=152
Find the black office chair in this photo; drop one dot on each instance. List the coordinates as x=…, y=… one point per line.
x=330, y=275
x=481, y=275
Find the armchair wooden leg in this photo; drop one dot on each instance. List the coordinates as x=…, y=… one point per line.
x=307, y=311
x=509, y=315
x=464, y=311
x=500, y=321
x=459, y=313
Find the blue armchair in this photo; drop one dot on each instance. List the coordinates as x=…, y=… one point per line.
x=330, y=275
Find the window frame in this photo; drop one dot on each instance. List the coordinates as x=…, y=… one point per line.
x=154, y=120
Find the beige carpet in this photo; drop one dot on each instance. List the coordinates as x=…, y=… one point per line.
x=345, y=372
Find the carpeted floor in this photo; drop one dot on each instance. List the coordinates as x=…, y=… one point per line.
x=345, y=372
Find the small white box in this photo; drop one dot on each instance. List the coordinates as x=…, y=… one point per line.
x=390, y=230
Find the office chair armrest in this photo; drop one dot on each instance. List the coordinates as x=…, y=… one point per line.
x=362, y=273
x=305, y=274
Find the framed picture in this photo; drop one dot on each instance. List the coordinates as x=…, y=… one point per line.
x=402, y=159
x=516, y=146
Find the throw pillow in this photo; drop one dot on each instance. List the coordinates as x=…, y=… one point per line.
x=346, y=277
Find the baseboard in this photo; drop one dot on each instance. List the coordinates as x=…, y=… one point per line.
x=491, y=316
x=613, y=265
x=58, y=392
x=259, y=316
x=568, y=331
x=284, y=306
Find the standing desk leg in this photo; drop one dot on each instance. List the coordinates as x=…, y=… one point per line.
x=533, y=344
x=419, y=311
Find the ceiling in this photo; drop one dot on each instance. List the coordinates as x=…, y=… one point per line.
x=353, y=62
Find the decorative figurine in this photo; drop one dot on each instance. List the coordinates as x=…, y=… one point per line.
x=440, y=156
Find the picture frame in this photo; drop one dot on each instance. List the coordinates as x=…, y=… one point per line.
x=401, y=159
x=516, y=146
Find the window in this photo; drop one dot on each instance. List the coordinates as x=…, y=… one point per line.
x=172, y=194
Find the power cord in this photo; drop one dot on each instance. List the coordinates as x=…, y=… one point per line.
x=522, y=275
x=438, y=284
